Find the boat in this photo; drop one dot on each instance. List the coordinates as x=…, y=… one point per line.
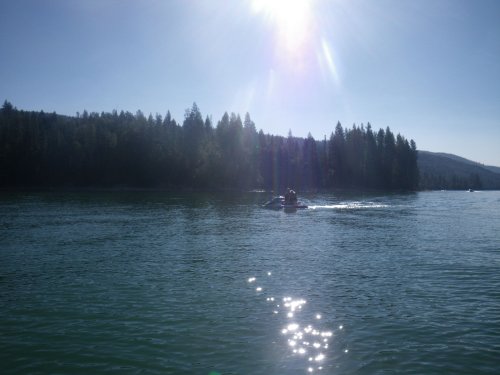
x=275, y=203
x=278, y=203
x=294, y=207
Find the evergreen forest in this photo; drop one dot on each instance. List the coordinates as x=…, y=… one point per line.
x=121, y=149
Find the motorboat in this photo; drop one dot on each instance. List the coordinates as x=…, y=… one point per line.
x=278, y=203
x=275, y=203
x=294, y=207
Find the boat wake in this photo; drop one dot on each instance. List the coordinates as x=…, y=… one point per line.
x=349, y=206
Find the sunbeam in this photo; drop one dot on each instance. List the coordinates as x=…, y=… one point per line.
x=291, y=18
x=327, y=56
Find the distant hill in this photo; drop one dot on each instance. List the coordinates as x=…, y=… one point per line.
x=464, y=160
x=448, y=171
x=492, y=168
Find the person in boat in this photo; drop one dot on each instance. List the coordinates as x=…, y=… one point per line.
x=290, y=197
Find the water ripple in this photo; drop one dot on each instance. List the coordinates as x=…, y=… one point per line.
x=152, y=282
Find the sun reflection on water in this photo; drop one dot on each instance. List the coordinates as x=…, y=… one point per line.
x=302, y=338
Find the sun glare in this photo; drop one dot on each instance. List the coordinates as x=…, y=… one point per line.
x=292, y=19
x=304, y=50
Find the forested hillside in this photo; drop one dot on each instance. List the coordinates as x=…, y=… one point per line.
x=447, y=171
x=466, y=161
x=124, y=149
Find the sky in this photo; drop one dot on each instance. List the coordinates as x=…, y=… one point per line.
x=428, y=69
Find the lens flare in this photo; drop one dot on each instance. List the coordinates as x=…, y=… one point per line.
x=292, y=19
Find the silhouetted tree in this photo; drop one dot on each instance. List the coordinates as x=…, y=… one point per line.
x=109, y=149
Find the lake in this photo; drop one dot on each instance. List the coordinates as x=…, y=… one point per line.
x=191, y=283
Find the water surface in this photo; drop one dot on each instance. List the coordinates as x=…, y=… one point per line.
x=166, y=283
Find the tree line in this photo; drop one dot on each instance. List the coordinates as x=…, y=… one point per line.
x=124, y=149
x=430, y=181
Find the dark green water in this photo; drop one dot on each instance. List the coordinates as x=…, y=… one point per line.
x=162, y=283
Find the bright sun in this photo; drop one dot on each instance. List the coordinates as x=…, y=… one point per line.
x=300, y=47
x=292, y=18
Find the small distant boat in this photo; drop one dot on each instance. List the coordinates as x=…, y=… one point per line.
x=471, y=191
x=278, y=203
